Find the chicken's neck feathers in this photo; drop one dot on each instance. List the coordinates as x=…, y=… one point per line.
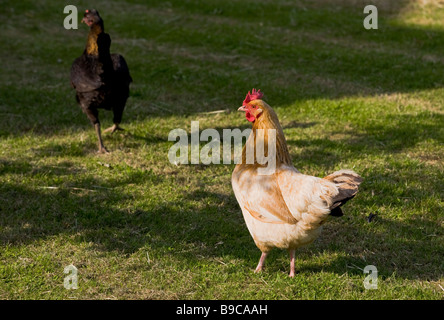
x=92, y=47
x=268, y=120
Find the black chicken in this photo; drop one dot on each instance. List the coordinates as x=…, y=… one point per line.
x=101, y=79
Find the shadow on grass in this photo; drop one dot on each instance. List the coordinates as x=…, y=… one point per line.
x=302, y=51
x=207, y=224
x=400, y=133
x=409, y=250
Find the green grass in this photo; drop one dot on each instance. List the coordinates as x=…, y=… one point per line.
x=138, y=227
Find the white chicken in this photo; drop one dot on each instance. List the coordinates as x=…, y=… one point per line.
x=284, y=209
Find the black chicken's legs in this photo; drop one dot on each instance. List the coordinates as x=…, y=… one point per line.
x=102, y=148
x=114, y=128
x=93, y=116
x=117, y=116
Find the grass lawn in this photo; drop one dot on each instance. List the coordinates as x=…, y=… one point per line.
x=138, y=227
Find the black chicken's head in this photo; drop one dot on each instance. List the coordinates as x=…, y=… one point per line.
x=92, y=17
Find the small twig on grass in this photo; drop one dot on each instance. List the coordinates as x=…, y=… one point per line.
x=354, y=267
x=216, y=111
x=220, y=261
x=264, y=281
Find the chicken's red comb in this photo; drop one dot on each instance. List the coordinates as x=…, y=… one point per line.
x=253, y=96
x=86, y=10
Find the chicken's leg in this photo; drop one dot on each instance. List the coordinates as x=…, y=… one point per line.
x=261, y=263
x=114, y=128
x=102, y=148
x=117, y=118
x=292, y=253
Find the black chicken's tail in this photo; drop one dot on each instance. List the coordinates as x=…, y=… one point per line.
x=121, y=68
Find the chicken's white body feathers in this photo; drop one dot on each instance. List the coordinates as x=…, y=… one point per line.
x=284, y=210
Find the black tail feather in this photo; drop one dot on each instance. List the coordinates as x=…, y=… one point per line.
x=336, y=212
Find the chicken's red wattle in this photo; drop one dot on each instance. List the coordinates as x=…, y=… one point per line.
x=250, y=117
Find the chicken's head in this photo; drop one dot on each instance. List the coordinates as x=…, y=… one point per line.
x=92, y=17
x=253, y=106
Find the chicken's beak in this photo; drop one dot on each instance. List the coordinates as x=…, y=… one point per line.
x=85, y=21
x=242, y=108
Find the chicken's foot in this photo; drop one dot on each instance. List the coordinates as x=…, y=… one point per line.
x=292, y=254
x=114, y=128
x=102, y=148
x=260, y=265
